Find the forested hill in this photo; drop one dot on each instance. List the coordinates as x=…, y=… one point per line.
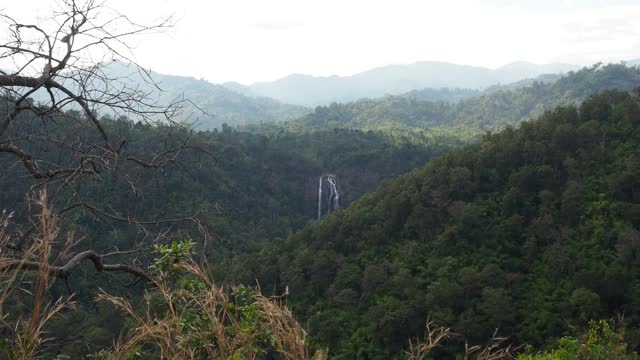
x=220, y=104
x=533, y=231
x=251, y=189
x=489, y=111
x=261, y=186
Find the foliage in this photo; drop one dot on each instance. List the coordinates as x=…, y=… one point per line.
x=196, y=319
x=600, y=342
x=472, y=116
x=532, y=230
x=172, y=256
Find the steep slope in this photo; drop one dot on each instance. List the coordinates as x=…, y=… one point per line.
x=534, y=231
x=254, y=188
x=489, y=111
x=396, y=79
x=261, y=186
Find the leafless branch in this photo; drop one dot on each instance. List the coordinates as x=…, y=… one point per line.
x=63, y=271
x=58, y=111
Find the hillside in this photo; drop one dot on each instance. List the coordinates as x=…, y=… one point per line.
x=220, y=104
x=533, y=231
x=488, y=111
x=251, y=189
x=394, y=79
x=261, y=186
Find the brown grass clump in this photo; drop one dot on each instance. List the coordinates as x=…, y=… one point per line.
x=433, y=337
x=200, y=320
x=289, y=335
x=498, y=348
x=24, y=307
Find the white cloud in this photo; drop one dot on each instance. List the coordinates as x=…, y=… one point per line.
x=253, y=40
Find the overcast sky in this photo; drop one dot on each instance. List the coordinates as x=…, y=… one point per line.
x=259, y=40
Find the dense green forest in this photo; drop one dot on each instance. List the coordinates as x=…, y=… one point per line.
x=473, y=233
x=252, y=187
x=477, y=231
x=458, y=212
x=533, y=231
x=260, y=186
x=491, y=110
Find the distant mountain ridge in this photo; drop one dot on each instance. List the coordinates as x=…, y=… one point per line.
x=221, y=104
x=310, y=90
x=464, y=113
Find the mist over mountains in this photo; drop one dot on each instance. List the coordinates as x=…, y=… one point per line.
x=310, y=90
x=211, y=105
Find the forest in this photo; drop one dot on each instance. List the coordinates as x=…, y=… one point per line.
x=440, y=223
x=531, y=231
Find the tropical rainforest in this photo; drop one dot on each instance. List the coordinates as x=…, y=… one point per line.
x=494, y=221
x=531, y=230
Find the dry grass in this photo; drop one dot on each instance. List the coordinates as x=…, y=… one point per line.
x=220, y=333
x=498, y=348
x=162, y=325
x=24, y=306
x=433, y=337
x=289, y=335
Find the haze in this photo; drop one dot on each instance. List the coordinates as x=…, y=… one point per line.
x=250, y=40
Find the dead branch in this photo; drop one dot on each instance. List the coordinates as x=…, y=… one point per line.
x=59, y=105
x=65, y=270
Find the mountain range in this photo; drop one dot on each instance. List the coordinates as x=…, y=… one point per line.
x=291, y=97
x=473, y=112
x=209, y=105
x=310, y=90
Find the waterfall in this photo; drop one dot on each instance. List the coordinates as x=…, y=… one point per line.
x=320, y=197
x=333, y=200
x=334, y=191
x=331, y=194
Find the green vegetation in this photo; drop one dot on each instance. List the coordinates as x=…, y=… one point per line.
x=254, y=187
x=532, y=230
x=209, y=105
x=600, y=342
x=132, y=229
x=491, y=111
x=184, y=315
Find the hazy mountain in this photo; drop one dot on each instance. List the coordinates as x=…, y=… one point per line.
x=461, y=112
x=221, y=104
x=394, y=79
x=634, y=62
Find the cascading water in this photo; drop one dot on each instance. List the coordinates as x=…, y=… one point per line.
x=333, y=201
x=320, y=197
x=334, y=190
x=331, y=195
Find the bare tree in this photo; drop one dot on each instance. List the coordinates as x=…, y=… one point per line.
x=58, y=100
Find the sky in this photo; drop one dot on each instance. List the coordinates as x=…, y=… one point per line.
x=256, y=40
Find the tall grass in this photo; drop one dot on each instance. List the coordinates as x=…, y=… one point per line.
x=25, y=309
x=203, y=321
x=498, y=348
